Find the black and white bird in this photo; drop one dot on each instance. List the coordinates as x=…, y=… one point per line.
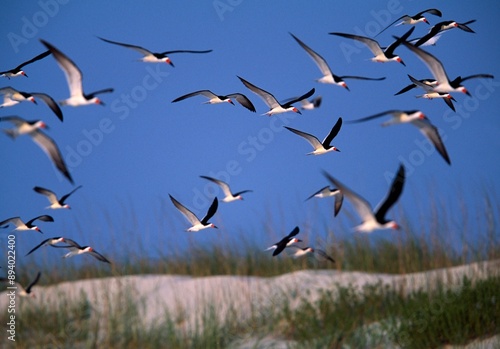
x=320, y=147
x=22, y=226
x=427, y=86
x=229, y=196
x=415, y=19
x=22, y=127
x=328, y=76
x=17, y=71
x=432, y=82
x=373, y=220
x=25, y=291
x=441, y=27
x=288, y=240
x=380, y=55
x=327, y=192
x=215, y=99
x=197, y=224
x=318, y=254
x=416, y=118
x=47, y=242
x=273, y=104
x=74, y=79
x=153, y=57
x=55, y=203
x=443, y=83
x=76, y=249
x=11, y=97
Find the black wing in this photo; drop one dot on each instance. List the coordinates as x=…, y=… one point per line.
x=389, y=51
x=393, y=196
x=333, y=133
x=44, y=218
x=211, y=211
x=298, y=99
x=33, y=283
x=64, y=197
x=38, y=246
x=184, y=51
x=34, y=59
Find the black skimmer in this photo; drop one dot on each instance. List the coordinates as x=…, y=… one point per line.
x=215, y=99
x=326, y=192
x=55, y=203
x=273, y=104
x=443, y=83
x=286, y=241
x=316, y=252
x=17, y=71
x=320, y=147
x=76, y=249
x=21, y=226
x=13, y=97
x=154, y=57
x=415, y=19
x=196, y=224
x=373, y=220
x=229, y=196
x=418, y=119
x=25, y=292
x=381, y=55
x=74, y=79
x=314, y=103
x=22, y=126
x=47, y=242
x=328, y=76
x=444, y=26
x=427, y=86
x=48, y=145
x=432, y=82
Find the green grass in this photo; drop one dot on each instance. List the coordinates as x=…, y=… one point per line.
x=374, y=317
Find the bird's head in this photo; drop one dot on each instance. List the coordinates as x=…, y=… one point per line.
x=399, y=60
x=336, y=149
x=393, y=225
x=213, y=226
x=23, y=73
x=66, y=206
x=32, y=99
x=168, y=61
x=344, y=85
x=96, y=100
x=230, y=101
x=464, y=90
x=295, y=110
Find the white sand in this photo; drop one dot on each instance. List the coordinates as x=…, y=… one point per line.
x=189, y=296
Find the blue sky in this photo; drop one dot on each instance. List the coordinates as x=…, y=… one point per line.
x=130, y=154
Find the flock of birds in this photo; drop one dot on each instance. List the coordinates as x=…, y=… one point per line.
x=440, y=86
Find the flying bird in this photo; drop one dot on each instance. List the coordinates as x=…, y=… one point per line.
x=229, y=196
x=415, y=19
x=197, y=224
x=444, y=26
x=17, y=71
x=25, y=292
x=288, y=240
x=273, y=104
x=315, y=252
x=76, y=249
x=22, y=127
x=326, y=192
x=215, y=99
x=153, y=57
x=55, y=203
x=320, y=147
x=13, y=97
x=381, y=55
x=47, y=242
x=373, y=220
x=21, y=226
x=443, y=85
x=74, y=78
x=418, y=119
x=328, y=76
x=427, y=86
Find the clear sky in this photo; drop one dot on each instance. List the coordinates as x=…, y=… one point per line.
x=131, y=153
